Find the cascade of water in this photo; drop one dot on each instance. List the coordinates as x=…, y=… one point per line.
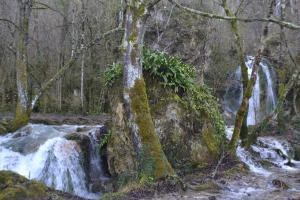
x=278, y=8
x=96, y=170
x=258, y=107
x=54, y=160
x=271, y=100
x=254, y=101
x=270, y=149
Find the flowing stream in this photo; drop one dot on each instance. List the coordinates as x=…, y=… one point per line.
x=43, y=153
x=271, y=159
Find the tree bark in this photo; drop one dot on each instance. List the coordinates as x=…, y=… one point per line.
x=242, y=59
x=150, y=156
x=23, y=110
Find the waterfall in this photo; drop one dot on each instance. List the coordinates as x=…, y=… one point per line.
x=263, y=99
x=96, y=172
x=41, y=152
x=271, y=98
x=277, y=10
x=254, y=101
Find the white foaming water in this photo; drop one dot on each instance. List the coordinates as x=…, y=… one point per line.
x=53, y=159
x=248, y=159
x=254, y=101
x=271, y=98
x=277, y=152
x=96, y=171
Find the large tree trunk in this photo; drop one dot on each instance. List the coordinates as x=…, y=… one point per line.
x=150, y=156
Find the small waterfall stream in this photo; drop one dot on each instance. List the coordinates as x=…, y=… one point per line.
x=263, y=99
x=41, y=152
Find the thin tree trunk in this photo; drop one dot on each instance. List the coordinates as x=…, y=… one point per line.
x=82, y=54
x=62, y=52
x=150, y=156
x=296, y=91
x=248, y=92
x=242, y=59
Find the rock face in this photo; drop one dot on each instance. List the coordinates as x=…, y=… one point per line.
x=180, y=135
x=179, y=129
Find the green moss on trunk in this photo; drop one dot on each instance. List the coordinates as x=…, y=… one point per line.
x=153, y=161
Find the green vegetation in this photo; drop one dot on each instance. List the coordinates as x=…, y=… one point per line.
x=113, y=73
x=105, y=140
x=169, y=70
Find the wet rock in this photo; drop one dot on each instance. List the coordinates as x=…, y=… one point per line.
x=102, y=186
x=212, y=198
x=297, y=151
x=280, y=184
x=83, y=141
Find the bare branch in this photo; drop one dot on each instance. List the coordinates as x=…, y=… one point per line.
x=45, y=6
x=285, y=24
x=10, y=22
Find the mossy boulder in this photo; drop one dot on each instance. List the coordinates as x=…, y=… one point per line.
x=185, y=116
x=16, y=187
x=187, y=138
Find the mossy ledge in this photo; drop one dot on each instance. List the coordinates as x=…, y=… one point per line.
x=16, y=187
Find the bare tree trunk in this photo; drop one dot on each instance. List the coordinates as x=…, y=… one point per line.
x=62, y=51
x=139, y=121
x=23, y=109
x=296, y=91
x=83, y=16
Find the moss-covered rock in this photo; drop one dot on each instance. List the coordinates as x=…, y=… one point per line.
x=179, y=110
x=181, y=131
x=16, y=187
